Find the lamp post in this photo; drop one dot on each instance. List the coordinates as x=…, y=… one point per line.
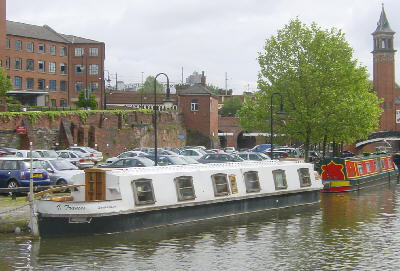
x=272, y=120
x=167, y=101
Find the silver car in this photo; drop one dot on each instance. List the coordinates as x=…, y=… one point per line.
x=60, y=170
x=77, y=158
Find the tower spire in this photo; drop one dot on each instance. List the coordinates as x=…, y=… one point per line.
x=383, y=23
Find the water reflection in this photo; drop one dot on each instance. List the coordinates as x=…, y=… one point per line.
x=352, y=231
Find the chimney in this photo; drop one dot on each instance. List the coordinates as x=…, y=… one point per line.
x=3, y=33
x=203, y=79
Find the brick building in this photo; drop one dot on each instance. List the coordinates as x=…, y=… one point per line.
x=48, y=68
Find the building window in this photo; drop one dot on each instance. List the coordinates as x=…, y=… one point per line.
x=63, y=51
x=41, y=66
x=52, y=67
x=79, y=51
x=41, y=84
x=252, y=181
x=143, y=191
x=93, y=69
x=194, y=105
x=279, y=179
x=304, y=176
x=63, y=103
x=52, y=50
x=29, y=65
x=7, y=43
x=78, y=69
x=17, y=44
x=7, y=62
x=52, y=85
x=63, y=85
x=221, y=185
x=93, y=86
x=184, y=188
x=17, y=63
x=17, y=82
x=53, y=103
x=63, y=68
x=78, y=86
x=41, y=48
x=29, y=46
x=93, y=51
x=29, y=83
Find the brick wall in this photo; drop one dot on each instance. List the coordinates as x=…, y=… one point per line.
x=109, y=133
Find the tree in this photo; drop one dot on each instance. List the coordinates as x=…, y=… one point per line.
x=326, y=93
x=5, y=83
x=86, y=103
x=231, y=106
x=148, y=86
x=218, y=91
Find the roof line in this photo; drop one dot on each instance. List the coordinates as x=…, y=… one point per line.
x=55, y=32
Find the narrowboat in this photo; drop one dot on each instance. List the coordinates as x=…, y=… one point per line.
x=115, y=200
x=354, y=173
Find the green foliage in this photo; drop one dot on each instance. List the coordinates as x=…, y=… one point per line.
x=5, y=83
x=326, y=93
x=231, y=106
x=195, y=138
x=182, y=86
x=148, y=86
x=218, y=91
x=86, y=103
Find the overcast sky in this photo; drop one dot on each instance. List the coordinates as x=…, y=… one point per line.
x=215, y=36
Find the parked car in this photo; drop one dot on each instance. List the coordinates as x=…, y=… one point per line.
x=219, y=158
x=95, y=155
x=253, y=156
x=8, y=151
x=165, y=160
x=292, y=152
x=260, y=148
x=189, y=159
x=129, y=162
x=125, y=155
x=77, y=158
x=230, y=150
x=61, y=171
x=278, y=154
x=47, y=153
x=27, y=154
x=194, y=153
x=163, y=152
x=15, y=172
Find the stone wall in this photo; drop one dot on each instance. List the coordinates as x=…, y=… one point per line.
x=108, y=132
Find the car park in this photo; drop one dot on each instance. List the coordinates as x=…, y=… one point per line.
x=278, y=154
x=189, y=159
x=194, y=153
x=95, y=155
x=15, y=172
x=165, y=160
x=253, y=156
x=77, y=158
x=27, y=154
x=125, y=155
x=292, y=152
x=129, y=162
x=230, y=150
x=219, y=158
x=61, y=171
x=261, y=148
x=47, y=153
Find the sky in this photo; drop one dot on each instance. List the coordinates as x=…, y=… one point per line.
x=220, y=37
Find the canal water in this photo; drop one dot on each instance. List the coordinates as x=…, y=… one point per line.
x=353, y=231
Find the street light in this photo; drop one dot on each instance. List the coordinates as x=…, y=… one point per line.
x=167, y=102
x=272, y=120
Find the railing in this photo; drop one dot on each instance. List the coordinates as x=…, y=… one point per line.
x=21, y=108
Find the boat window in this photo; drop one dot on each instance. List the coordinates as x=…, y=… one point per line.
x=304, y=176
x=143, y=191
x=376, y=165
x=360, y=169
x=184, y=188
x=368, y=167
x=279, y=179
x=221, y=186
x=252, y=181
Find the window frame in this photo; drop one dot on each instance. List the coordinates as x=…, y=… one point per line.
x=30, y=61
x=8, y=43
x=302, y=176
x=78, y=83
x=19, y=86
x=18, y=45
x=135, y=192
x=52, y=67
x=63, y=103
x=43, y=50
x=39, y=81
x=63, y=51
x=93, y=83
x=32, y=83
x=81, y=67
x=247, y=182
x=93, y=52
x=29, y=46
x=52, y=50
x=194, y=105
x=63, y=82
x=79, y=52
x=16, y=61
x=219, y=194
x=180, y=196
x=41, y=62
x=52, y=85
x=93, y=69
x=274, y=174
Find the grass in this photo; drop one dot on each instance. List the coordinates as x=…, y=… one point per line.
x=7, y=201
